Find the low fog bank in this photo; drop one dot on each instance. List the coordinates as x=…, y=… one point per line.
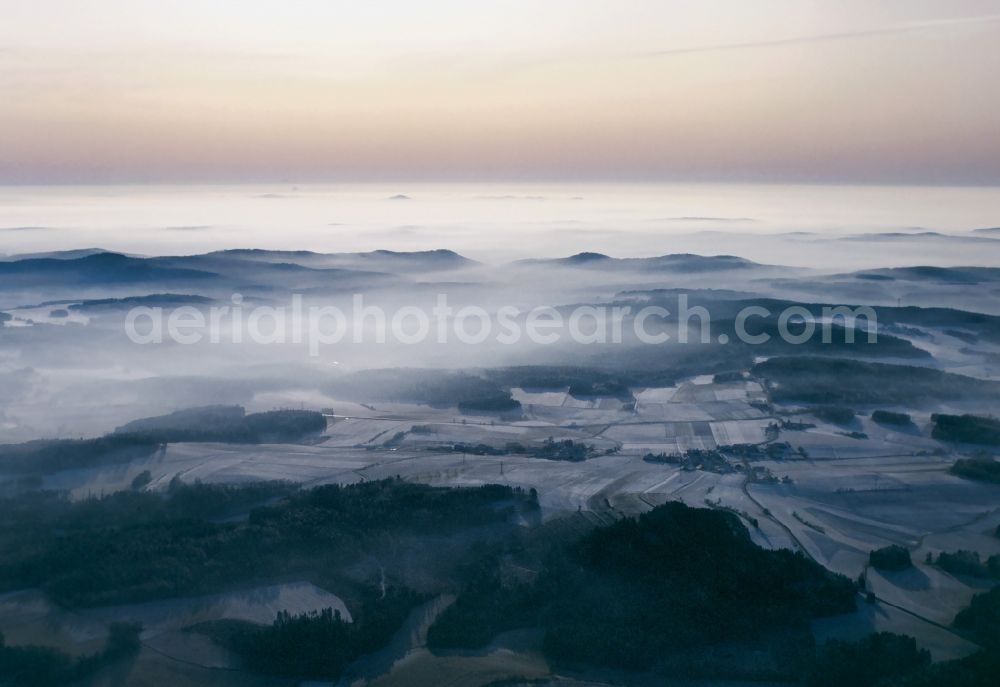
x=831, y=228
x=70, y=366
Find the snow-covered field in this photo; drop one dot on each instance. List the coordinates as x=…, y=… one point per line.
x=836, y=497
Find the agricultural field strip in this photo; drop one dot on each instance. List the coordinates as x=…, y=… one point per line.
x=601, y=493
x=791, y=526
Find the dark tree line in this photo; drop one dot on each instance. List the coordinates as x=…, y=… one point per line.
x=38, y=666
x=964, y=562
x=469, y=392
x=867, y=662
x=673, y=582
x=892, y=557
x=967, y=429
x=142, y=438
x=319, y=645
x=888, y=417
x=135, y=546
x=227, y=424
x=844, y=381
x=67, y=454
x=982, y=468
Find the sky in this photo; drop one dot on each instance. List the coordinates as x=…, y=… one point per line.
x=851, y=91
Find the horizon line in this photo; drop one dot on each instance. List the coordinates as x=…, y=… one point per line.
x=509, y=181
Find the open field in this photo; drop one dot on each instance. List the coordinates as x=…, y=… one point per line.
x=833, y=496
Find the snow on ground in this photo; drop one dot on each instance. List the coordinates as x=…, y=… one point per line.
x=837, y=499
x=943, y=644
